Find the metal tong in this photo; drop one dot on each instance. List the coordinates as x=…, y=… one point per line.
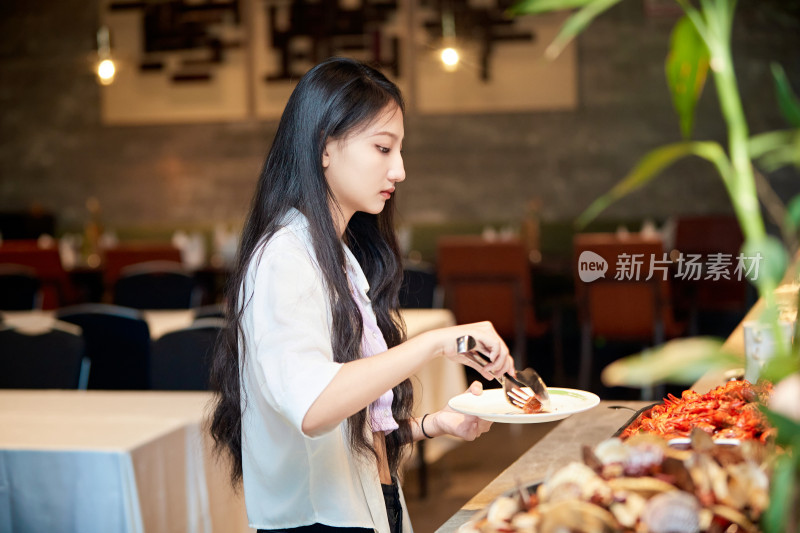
x=514, y=388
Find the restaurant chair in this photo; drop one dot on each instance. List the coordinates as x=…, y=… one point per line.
x=491, y=280
x=210, y=311
x=627, y=310
x=420, y=289
x=709, y=303
x=44, y=358
x=156, y=285
x=117, y=344
x=181, y=360
x=26, y=225
x=125, y=254
x=45, y=261
x=20, y=288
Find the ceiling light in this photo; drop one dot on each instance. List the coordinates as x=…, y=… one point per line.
x=106, y=71
x=450, y=57
x=105, y=66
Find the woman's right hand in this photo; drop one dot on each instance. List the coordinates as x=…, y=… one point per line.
x=487, y=341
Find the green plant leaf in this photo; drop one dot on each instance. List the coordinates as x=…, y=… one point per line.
x=530, y=7
x=788, y=429
x=764, y=143
x=782, y=493
x=575, y=24
x=771, y=259
x=792, y=219
x=787, y=100
x=650, y=165
x=680, y=361
x=696, y=17
x=686, y=69
x=776, y=149
x=779, y=367
x=783, y=156
x=718, y=18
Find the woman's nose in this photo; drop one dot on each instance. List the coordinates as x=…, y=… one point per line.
x=397, y=172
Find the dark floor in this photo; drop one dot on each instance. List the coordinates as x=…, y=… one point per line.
x=461, y=473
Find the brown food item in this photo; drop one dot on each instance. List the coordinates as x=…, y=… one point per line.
x=699, y=489
x=532, y=406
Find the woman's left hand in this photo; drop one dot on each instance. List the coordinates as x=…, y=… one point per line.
x=451, y=422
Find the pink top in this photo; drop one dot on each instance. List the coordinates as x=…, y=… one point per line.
x=372, y=342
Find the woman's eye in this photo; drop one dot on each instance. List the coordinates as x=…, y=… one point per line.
x=384, y=150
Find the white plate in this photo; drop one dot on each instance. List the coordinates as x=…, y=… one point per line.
x=492, y=406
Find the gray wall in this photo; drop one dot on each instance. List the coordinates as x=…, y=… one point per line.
x=55, y=152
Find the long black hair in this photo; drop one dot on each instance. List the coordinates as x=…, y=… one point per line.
x=331, y=101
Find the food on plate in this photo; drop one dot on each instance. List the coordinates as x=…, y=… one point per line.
x=726, y=412
x=641, y=485
x=532, y=406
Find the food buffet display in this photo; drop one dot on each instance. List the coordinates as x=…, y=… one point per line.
x=690, y=464
x=729, y=411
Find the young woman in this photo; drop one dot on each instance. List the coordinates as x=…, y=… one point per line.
x=314, y=398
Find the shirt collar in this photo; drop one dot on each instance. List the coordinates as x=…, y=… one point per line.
x=294, y=219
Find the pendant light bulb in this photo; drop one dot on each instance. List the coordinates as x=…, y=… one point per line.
x=450, y=57
x=106, y=69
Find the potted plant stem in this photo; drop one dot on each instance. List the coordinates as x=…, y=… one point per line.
x=701, y=44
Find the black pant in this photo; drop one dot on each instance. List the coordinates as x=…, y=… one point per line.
x=317, y=528
x=394, y=509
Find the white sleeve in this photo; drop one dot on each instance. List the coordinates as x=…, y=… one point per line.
x=291, y=331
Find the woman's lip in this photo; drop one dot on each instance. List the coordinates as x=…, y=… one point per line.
x=387, y=193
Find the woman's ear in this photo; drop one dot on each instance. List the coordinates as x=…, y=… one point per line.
x=326, y=159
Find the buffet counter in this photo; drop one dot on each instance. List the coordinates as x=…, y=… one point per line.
x=565, y=442
x=562, y=445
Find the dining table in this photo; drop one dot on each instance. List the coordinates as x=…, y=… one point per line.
x=111, y=461
x=162, y=321
x=434, y=384
x=136, y=461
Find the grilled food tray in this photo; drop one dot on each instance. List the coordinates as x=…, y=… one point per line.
x=635, y=416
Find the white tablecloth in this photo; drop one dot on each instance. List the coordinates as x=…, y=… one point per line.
x=135, y=461
x=159, y=322
x=108, y=461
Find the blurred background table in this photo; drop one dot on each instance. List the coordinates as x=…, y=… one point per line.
x=161, y=321
x=439, y=380
x=132, y=423
x=103, y=461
